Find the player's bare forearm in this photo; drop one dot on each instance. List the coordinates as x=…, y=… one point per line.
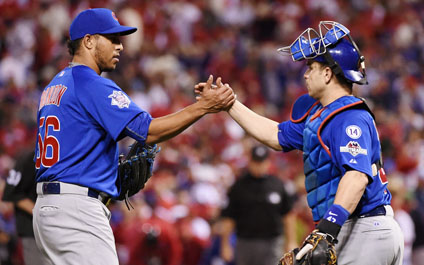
x=350, y=190
x=166, y=127
x=261, y=128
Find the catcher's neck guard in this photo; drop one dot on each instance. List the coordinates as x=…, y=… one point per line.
x=332, y=45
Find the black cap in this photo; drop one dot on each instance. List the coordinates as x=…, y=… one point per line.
x=259, y=153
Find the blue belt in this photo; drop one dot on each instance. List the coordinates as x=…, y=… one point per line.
x=54, y=188
x=380, y=210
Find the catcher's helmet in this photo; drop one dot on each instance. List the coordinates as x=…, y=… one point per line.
x=334, y=46
x=344, y=59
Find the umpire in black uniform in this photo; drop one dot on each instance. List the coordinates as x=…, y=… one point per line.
x=20, y=190
x=258, y=211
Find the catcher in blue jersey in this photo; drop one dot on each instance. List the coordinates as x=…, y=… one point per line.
x=344, y=179
x=81, y=118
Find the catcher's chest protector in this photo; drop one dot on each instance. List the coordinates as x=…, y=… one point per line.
x=322, y=177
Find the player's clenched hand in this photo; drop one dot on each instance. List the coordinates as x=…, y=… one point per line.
x=214, y=98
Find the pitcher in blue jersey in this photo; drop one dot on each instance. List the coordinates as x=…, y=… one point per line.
x=344, y=179
x=81, y=118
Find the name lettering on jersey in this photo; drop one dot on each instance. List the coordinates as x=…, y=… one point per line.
x=119, y=99
x=52, y=95
x=353, y=148
x=353, y=131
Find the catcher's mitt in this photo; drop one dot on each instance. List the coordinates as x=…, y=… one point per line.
x=317, y=249
x=135, y=169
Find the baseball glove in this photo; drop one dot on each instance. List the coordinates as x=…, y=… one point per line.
x=317, y=249
x=135, y=170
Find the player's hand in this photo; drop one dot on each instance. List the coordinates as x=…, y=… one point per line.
x=214, y=98
x=198, y=89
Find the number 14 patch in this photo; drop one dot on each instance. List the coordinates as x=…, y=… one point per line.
x=353, y=148
x=353, y=131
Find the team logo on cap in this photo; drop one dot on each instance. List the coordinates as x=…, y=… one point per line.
x=114, y=16
x=119, y=99
x=353, y=148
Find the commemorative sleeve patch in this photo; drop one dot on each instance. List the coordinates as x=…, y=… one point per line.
x=353, y=148
x=119, y=99
x=353, y=131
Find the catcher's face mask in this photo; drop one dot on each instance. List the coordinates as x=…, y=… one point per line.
x=332, y=45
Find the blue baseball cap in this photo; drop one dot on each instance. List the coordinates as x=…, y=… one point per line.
x=97, y=21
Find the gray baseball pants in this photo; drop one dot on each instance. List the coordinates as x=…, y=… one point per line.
x=375, y=240
x=72, y=228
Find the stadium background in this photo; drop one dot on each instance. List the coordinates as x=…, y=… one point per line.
x=180, y=43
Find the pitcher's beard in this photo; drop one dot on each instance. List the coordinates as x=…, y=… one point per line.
x=104, y=65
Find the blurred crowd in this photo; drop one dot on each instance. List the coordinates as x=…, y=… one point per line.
x=178, y=44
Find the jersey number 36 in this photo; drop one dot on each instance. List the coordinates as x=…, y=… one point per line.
x=45, y=158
